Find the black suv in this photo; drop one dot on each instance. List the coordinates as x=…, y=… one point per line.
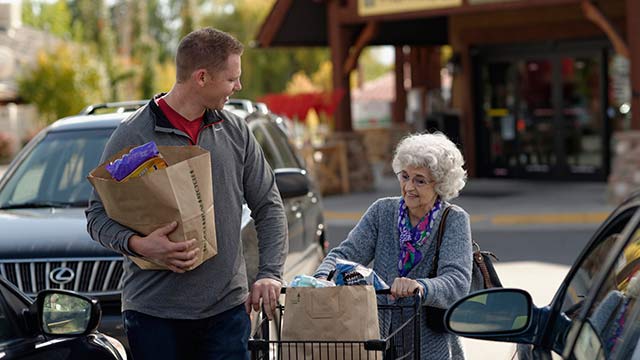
x=44, y=192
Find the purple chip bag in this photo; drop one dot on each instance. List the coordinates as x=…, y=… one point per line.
x=120, y=168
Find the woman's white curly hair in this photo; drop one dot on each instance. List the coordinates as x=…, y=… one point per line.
x=439, y=155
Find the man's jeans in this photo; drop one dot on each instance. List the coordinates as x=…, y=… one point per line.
x=223, y=336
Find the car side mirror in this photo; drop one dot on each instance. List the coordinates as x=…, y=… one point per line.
x=491, y=312
x=63, y=313
x=292, y=182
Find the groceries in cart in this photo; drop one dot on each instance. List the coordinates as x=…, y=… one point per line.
x=310, y=281
x=352, y=273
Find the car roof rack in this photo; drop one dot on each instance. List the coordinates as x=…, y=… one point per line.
x=118, y=107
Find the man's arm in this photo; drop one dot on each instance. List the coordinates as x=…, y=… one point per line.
x=267, y=210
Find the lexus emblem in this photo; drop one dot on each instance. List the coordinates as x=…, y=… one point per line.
x=61, y=275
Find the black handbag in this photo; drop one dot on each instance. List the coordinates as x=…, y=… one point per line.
x=483, y=276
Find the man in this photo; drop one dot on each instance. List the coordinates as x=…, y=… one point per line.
x=199, y=313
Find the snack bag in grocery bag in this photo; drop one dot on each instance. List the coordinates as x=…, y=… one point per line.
x=340, y=314
x=181, y=192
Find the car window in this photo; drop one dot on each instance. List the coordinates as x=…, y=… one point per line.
x=269, y=152
x=614, y=314
x=583, y=279
x=586, y=273
x=591, y=264
x=56, y=168
x=282, y=144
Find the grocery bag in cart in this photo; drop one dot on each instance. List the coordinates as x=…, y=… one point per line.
x=329, y=323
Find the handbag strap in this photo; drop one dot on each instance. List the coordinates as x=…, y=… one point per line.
x=478, y=257
x=436, y=256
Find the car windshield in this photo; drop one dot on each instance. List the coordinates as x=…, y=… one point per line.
x=54, y=172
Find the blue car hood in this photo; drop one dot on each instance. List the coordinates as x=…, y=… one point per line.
x=47, y=233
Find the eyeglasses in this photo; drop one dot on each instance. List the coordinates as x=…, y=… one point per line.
x=418, y=180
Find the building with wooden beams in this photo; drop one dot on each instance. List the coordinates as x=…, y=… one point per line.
x=540, y=87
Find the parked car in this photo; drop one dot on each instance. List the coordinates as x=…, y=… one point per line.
x=594, y=314
x=57, y=325
x=44, y=192
x=240, y=104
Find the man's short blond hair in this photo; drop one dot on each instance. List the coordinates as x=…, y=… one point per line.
x=207, y=48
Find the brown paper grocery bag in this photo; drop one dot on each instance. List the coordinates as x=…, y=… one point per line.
x=342, y=314
x=182, y=192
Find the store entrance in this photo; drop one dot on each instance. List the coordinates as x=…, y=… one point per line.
x=541, y=114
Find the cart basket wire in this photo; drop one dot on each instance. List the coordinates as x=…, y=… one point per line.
x=402, y=341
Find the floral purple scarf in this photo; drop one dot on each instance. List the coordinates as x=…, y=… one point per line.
x=411, y=238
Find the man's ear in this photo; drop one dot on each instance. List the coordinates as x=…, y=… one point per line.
x=199, y=76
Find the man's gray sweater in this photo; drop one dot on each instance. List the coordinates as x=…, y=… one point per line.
x=240, y=173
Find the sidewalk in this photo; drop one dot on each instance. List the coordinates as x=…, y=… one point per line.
x=496, y=202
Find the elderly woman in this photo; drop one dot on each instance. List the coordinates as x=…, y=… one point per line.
x=398, y=234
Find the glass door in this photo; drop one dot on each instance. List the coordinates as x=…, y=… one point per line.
x=541, y=116
x=518, y=117
x=535, y=114
x=582, y=114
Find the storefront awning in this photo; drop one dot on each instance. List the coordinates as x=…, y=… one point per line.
x=304, y=23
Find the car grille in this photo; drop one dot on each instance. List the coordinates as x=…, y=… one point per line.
x=91, y=276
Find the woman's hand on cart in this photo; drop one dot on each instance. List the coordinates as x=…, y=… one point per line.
x=405, y=287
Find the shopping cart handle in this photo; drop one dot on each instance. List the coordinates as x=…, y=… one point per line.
x=283, y=290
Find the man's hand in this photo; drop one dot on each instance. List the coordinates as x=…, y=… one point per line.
x=404, y=287
x=177, y=256
x=269, y=291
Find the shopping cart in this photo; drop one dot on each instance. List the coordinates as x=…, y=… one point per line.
x=401, y=342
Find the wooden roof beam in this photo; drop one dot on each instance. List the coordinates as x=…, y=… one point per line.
x=271, y=25
x=593, y=13
x=366, y=35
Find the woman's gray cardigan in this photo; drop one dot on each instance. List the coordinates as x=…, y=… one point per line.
x=375, y=238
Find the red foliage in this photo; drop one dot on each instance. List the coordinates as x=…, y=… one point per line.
x=298, y=105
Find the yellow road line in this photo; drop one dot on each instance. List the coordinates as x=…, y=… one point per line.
x=559, y=218
x=503, y=219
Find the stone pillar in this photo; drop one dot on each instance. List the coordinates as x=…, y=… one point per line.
x=625, y=169
x=396, y=133
x=633, y=39
x=360, y=171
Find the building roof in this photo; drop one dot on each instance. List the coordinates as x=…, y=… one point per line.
x=304, y=23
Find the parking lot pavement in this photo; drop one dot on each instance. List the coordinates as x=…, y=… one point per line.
x=496, y=203
x=526, y=275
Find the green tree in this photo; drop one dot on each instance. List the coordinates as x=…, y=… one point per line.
x=144, y=51
x=187, y=17
x=159, y=17
x=53, y=17
x=372, y=68
x=264, y=70
x=61, y=88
